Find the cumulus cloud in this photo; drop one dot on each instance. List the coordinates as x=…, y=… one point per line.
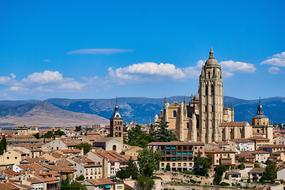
x=45, y=81
x=150, y=70
x=277, y=60
x=274, y=70
x=237, y=66
x=99, y=51
x=44, y=77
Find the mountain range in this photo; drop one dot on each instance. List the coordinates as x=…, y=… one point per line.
x=68, y=112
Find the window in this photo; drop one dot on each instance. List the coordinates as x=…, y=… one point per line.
x=7, y=158
x=174, y=113
x=114, y=147
x=212, y=89
x=206, y=90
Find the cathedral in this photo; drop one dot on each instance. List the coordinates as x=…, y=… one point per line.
x=205, y=119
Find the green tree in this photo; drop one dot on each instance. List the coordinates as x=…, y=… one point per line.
x=201, y=165
x=219, y=174
x=59, y=133
x=162, y=134
x=167, y=168
x=132, y=169
x=122, y=174
x=68, y=185
x=80, y=178
x=241, y=166
x=145, y=183
x=270, y=173
x=4, y=143
x=49, y=135
x=86, y=147
x=136, y=137
x=148, y=162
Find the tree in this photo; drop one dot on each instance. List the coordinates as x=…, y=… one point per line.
x=241, y=166
x=145, y=183
x=219, y=174
x=122, y=174
x=136, y=137
x=270, y=173
x=80, y=178
x=148, y=162
x=86, y=147
x=167, y=168
x=201, y=165
x=132, y=169
x=49, y=135
x=3, y=145
x=68, y=185
x=162, y=134
x=59, y=133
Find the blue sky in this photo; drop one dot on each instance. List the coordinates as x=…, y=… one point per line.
x=103, y=49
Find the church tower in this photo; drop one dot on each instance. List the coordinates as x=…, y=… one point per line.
x=116, y=123
x=211, y=100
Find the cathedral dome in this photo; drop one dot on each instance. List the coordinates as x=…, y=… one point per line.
x=211, y=60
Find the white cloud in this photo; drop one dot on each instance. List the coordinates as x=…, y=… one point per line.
x=274, y=70
x=99, y=51
x=277, y=60
x=7, y=79
x=146, y=69
x=237, y=66
x=149, y=70
x=44, y=77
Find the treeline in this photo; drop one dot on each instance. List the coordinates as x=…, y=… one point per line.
x=137, y=137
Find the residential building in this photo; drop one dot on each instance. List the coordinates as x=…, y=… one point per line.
x=178, y=155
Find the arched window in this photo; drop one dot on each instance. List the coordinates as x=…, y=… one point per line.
x=174, y=113
x=212, y=89
x=114, y=147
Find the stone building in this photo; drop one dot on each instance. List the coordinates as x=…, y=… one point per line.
x=116, y=124
x=205, y=119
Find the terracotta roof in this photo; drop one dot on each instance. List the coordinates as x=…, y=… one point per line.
x=111, y=156
x=175, y=143
x=103, y=181
x=60, y=168
x=8, y=186
x=35, y=180
x=10, y=173
x=86, y=162
x=234, y=124
x=71, y=151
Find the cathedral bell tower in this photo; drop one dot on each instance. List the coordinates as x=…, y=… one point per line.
x=211, y=100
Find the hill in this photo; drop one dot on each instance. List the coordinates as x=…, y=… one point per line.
x=140, y=109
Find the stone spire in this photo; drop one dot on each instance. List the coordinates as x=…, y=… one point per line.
x=259, y=108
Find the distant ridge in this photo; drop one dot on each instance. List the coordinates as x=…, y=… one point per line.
x=139, y=109
x=46, y=114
